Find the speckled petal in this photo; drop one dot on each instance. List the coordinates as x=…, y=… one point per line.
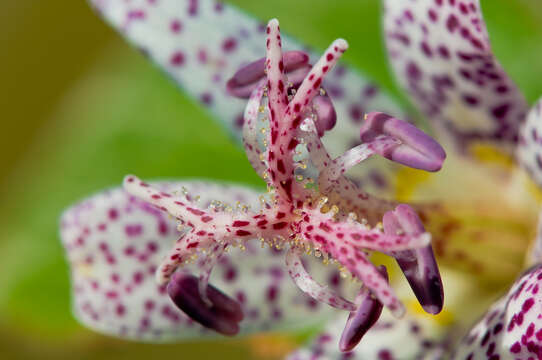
x=115, y=242
x=389, y=338
x=530, y=143
x=199, y=43
x=512, y=327
x=441, y=54
x=202, y=43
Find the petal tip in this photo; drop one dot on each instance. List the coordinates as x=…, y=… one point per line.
x=341, y=43
x=274, y=22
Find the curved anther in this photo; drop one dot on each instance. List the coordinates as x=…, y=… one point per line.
x=245, y=80
x=417, y=150
x=419, y=266
x=222, y=315
x=326, y=117
x=309, y=286
x=363, y=318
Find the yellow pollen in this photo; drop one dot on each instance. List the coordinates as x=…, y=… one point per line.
x=322, y=200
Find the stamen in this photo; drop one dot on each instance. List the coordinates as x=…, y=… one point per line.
x=183, y=251
x=418, y=150
x=223, y=315
x=280, y=137
x=419, y=265
x=358, y=154
x=212, y=257
x=363, y=318
x=245, y=80
x=309, y=286
x=326, y=117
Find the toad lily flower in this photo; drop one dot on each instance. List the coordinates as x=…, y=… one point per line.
x=116, y=241
x=296, y=215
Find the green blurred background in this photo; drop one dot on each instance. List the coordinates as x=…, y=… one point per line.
x=76, y=107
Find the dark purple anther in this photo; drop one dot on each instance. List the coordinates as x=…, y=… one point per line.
x=296, y=65
x=361, y=320
x=223, y=315
x=419, y=266
x=326, y=117
x=418, y=150
x=245, y=80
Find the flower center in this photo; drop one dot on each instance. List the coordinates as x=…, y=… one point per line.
x=330, y=215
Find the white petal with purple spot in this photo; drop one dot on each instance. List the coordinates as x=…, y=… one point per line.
x=441, y=54
x=202, y=43
x=388, y=339
x=512, y=327
x=114, y=243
